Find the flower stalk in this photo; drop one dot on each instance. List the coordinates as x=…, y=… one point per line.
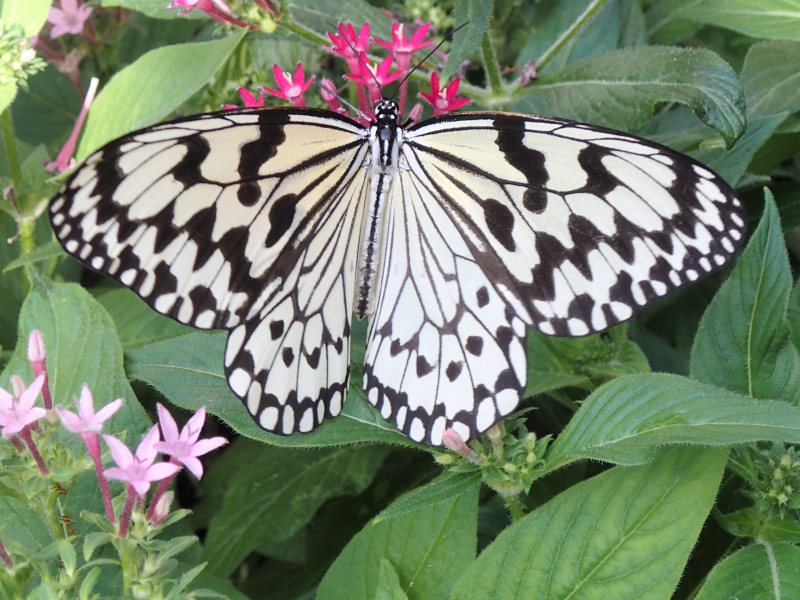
x=5, y=557
x=11, y=147
x=25, y=434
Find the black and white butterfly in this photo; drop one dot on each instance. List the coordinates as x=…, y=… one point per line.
x=453, y=236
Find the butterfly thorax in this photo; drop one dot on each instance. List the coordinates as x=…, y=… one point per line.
x=385, y=139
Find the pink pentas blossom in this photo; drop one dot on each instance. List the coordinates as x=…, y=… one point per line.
x=348, y=46
x=444, y=99
x=185, y=446
x=292, y=87
x=16, y=416
x=329, y=93
x=374, y=77
x=402, y=47
x=64, y=161
x=139, y=470
x=248, y=99
x=216, y=9
x=87, y=420
x=70, y=18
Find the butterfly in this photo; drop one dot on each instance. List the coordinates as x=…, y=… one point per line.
x=453, y=236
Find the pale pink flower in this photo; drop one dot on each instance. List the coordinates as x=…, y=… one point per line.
x=453, y=441
x=185, y=446
x=64, y=161
x=139, y=470
x=16, y=416
x=216, y=9
x=87, y=421
x=70, y=18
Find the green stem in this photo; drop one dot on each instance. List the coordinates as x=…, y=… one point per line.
x=490, y=64
x=570, y=33
x=11, y=146
x=303, y=32
x=515, y=507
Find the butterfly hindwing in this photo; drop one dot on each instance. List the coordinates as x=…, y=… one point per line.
x=579, y=226
x=227, y=221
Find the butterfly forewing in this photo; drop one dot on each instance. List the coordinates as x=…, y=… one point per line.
x=228, y=221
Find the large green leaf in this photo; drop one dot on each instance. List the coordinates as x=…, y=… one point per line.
x=742, y=343
x=665, y=24
x=474, y=15
x=82, y=347
x=188, y=370
x=155, y=8
x=620, y=89
x=624, y=534
x=771, y=78
x=11, y=290
x=22, y=526
x=29, y=14
x=757, y=572
x=628, y=419
x=770, y=19
x=429, y=548
x=166, y=77
x=278, y=493
x=321, y=16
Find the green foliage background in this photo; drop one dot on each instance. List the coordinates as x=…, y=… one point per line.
x=633, y=498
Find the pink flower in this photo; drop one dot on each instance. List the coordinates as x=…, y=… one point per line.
x=139, y=471
x=348, y=46
x=291, y=87
x=14, y=417
x=443, y=99
x=248, y=98
x=70, y=18
x=185, y=446
x=402, y=47
x=216, y=9
x=453, y=441
x=88, y=421
x=374, y=77
x=64, y=161
x=329, y=93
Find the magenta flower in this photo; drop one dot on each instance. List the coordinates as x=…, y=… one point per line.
x=64, y=161
x=348, y=46
x=70, y=18
x=14, y=417
x=402, y=48
x=374, y=77
x=443, y=99
x=292, y=87
x=185, y=446
x=248, y=98
x=139, y=471
x=329, y=93
x=216, y=9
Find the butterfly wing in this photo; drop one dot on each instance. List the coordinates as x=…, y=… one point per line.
x=216, y=221
x=565, y=227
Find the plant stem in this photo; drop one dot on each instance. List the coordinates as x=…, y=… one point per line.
x=162, y=487
x=303, y=32
x=490, y=64
x=515, y=507
x=92, y=441
x=11, y=146
x=25, y=434
x=5, y=557
x=570, y=33
x=125, y=519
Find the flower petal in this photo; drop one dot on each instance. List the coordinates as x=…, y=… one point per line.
x=119, y=452
x=29, y=397
x=70, y=420
x=194, y=465
x=117, y=474
x=86, y=404
x=169, y=429
x=161, y=470
x=145, y=452
x=141, y=486
x=108, y=410
x=191, y=431
x=206, y=446
x=6, y=401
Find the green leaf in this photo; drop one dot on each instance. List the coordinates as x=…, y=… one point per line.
x=137, y=323
x=188, y=370
x=625, y=533
x=321, y=16
x=11, y=290
x=30, y=14
x=206, y=581
x=757, y=572
x=82, y=347
x=42, y=253
x=166, y=77
x=389, y=584
x=742, y=343
x=731, y=164
x=445, y=487
x=429, y=549
x=474, y=14
x=628, y=419
x=278, y=493
x=22, y=525
x=155, y=8
x=748, y=523
x=771, y=78
x=770, y=19
x=665, y=24
x=620, y=89
x=7, y=92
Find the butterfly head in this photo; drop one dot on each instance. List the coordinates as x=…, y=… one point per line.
x=386, y=112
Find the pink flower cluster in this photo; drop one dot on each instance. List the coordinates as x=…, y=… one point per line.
x=19, y=418
x=369, y=78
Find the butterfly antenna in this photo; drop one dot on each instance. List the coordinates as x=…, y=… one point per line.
x=335, y=92
x=431, y=53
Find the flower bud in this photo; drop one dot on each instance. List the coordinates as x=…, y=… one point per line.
x=453, y=441
x=162, y=509
x=36, y=352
